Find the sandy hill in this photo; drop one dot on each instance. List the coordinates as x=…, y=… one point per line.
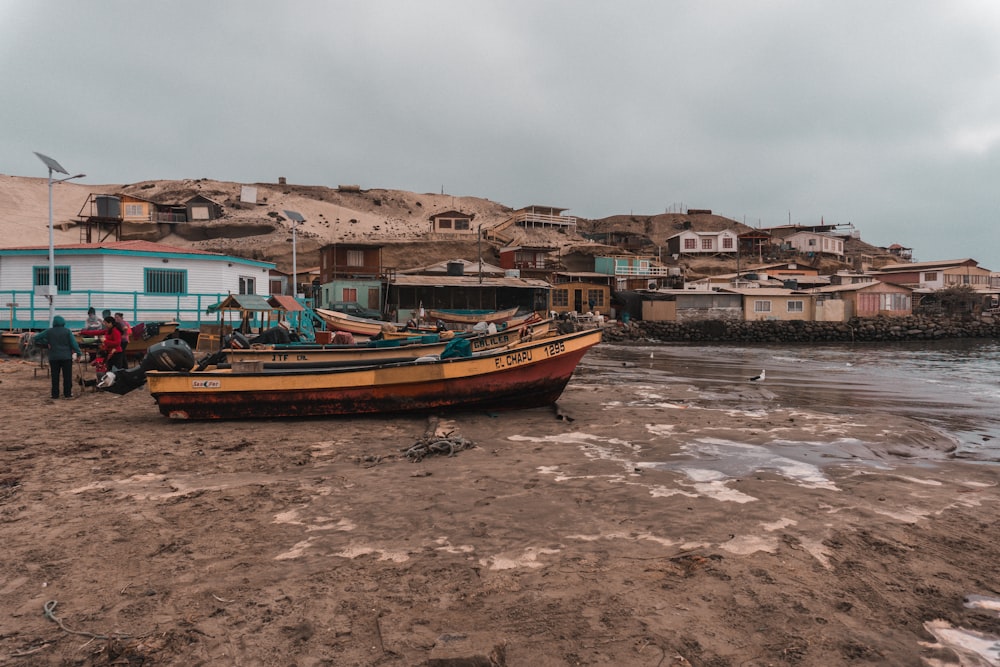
x=261, y=230
x=397, y=219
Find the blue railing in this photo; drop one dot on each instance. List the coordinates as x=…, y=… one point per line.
x=23, y=309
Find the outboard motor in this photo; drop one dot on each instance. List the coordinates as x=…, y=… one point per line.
x=170, y=355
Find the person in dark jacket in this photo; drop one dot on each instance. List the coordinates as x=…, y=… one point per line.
x=63, y=350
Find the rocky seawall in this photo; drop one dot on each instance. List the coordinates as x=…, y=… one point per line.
x=770, y=331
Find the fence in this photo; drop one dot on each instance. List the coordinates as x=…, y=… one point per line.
x=23, y=309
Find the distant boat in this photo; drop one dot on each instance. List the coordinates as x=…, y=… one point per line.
x=471, y=316
x=527, y=375
x=350, y=323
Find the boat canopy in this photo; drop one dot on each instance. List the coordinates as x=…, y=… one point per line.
x=285, y=302
x=253, y=302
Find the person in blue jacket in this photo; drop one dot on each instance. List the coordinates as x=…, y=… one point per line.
x=63, y=351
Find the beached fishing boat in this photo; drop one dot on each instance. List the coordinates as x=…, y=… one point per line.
x=355, y=325
x=528, y=375
x=471, y=316
x=371, y=352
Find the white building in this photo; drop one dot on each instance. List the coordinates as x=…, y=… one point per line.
x=143, y=280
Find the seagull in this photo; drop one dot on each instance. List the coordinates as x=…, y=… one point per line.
x=759, y=378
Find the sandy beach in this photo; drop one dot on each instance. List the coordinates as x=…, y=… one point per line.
x=564, y=536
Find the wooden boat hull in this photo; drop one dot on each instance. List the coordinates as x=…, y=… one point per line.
x=458, y=317
x=11, y=343
x=355, y=325
x=530, y=375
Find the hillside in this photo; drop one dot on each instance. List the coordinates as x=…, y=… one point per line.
x=399, y=220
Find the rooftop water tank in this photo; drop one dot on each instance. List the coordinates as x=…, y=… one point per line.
x=456, y=269
x=108, y=206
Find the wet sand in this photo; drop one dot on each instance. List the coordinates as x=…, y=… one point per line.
x=635, y=524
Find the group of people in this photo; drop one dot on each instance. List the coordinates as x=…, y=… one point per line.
x=64, y=348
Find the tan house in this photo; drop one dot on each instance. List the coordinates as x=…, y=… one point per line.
x=578, y=293
x=935, y=275
x=452, y=222
x=839, y=303
x=771, y=303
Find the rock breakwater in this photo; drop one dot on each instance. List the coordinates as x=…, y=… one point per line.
x=771, y=331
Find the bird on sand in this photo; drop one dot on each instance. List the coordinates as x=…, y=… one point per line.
x=759, y=378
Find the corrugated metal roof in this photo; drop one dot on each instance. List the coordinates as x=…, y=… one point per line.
x=468, y=281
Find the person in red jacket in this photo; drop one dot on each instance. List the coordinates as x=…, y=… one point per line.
x=111, y=346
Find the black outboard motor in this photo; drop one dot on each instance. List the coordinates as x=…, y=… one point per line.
x=170, y=355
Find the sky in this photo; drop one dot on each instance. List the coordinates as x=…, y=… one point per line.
x=884, y=115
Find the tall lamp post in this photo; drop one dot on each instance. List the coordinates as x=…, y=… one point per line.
x=296, y=218
x=52, y=289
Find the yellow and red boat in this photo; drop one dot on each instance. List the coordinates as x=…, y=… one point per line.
x=528, y=375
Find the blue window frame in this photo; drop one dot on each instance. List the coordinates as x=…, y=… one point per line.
x=41, y=277
x=165, y=281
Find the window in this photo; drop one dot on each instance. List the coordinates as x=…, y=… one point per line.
x=812, y=242
x=706, y=244
x=727, y=242
x=597, y=296
x=560, y=297
x=41, y=274
x=134, y=210
x=795, y=306
x=930, y=276
x=462, y=224
x=350, y=294
x=355, y=257
x=762, y=306
x=248, y=285
x=444, y=224
x=166, y=281
x=689, y=244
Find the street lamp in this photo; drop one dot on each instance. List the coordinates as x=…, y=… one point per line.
x=296, y=218
x=52, y=289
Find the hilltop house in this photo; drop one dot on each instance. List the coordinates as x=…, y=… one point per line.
x=690, y=242
x=144, y=280
x=815, y=243
x=452, y=223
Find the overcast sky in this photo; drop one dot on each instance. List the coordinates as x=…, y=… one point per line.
x=881, y=114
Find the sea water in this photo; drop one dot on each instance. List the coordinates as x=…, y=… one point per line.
x=951, y=385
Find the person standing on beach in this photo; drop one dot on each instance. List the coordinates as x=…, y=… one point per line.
x=63, y=351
